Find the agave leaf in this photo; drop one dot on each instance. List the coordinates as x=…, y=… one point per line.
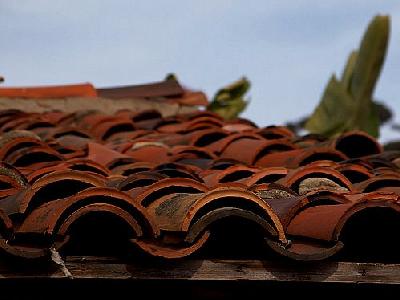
x=370, y=59
x=231, y=110
x=349, y=69
x=372, y=122
x=229, y=101
x=333, y=112
x=235, y=90
x=367, y=120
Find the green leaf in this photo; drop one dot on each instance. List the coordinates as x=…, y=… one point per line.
x=348, y=105
x=333, y=111
x=349, y=69
x=370, y=59
x=234, y=90
x=232, y=110
x=367, y=121
x=229, y=101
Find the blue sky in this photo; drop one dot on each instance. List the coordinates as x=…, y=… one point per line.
x=287, y=48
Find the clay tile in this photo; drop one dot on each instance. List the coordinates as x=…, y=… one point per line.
x=90, y=121
x=203, y=122
x=190, y=98
x=307, y=179
x=119, y=162
x=312, y=239
x=39, y=126
x=55, y=117
x=14, y=134
x=275, y=132
x=149, y=151
x=267, y=175
x=198, y=152
x=200, y=114
x=208, y=138
x=59, y=132
x=300, y=157
x=73, y=142
x=171, y=126
x=16, y=144
x=238, y=127
x=10, y=113
x=60, y=91
x=386, y=171
x=160, y=249
x=263, y=190
x=273, y=146
x=70, y=153
x=190, y=160
x=86, y=165
x=149, y=90
x=306, y=250
x=55, y=218
x=102, y=155
x=169, y=186
x=231, y=174
x=323, y=163
x=176, y=170
x=196, y=215
x=145, y=115
x=13, y=123
x=132, y=168
x=378, y=162
x=308, y=223
x=206, y=221
x=223, y=164
x=14, y=174
x=106, y=130
x=34, y=175
x=284, y=205
x=56, y=185
x=126, y=137
x=6, y=226
x=357, y=144
x=378, y=183
x=243, y=148
x=33, y=156
x=186, y=210
x=139, y=180
x=8, y=186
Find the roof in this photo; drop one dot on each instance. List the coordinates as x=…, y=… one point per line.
x=173, y=187
x=161, y=95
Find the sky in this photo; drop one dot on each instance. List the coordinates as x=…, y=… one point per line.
x=287, y=48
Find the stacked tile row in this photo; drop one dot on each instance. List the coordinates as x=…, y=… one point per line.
x=171, y=180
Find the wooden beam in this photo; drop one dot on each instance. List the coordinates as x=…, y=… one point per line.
x=209, y=270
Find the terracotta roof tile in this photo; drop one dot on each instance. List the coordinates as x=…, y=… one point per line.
x=173, y=180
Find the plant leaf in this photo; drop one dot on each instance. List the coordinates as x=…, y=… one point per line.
x=229, y=101
x=370, y=59
x=367, y=121
x=333, y=111
x=349, y=69
x=234, y=90
x=232, y=110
